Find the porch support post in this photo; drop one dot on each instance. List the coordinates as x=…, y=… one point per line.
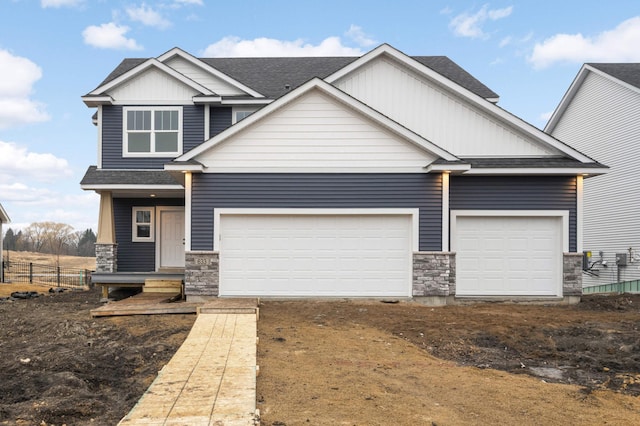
x=106, y=247
x=106, y=223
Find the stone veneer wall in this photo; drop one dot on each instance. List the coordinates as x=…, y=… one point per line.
x=107, y=258
x=201, y=273
x=434, y=274
x=572, y=274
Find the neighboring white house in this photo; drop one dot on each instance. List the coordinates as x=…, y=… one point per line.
x=4, y=218
x=600, y=116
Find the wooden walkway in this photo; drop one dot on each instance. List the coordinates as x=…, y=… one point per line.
x=211, y=380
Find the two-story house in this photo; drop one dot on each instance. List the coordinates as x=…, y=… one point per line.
x=376, y=176
x=599, y=115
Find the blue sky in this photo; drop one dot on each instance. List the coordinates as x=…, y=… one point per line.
x=54, y=51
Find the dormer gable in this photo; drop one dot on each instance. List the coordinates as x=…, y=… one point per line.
x=151, y=81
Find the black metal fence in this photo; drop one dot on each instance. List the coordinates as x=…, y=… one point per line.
x=23, y=272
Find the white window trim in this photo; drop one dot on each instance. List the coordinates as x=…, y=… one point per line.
x=125, y=134
x=237, y=109
x=152, y=233
x=413, y=213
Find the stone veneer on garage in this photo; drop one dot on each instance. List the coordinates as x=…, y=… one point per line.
x=201, y=274
x=434, y=275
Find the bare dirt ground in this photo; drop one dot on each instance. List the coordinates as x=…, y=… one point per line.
x=340, y=362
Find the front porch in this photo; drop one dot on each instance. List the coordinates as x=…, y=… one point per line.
x=106, y=280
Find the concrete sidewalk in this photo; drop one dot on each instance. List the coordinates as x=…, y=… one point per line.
x=211, y=380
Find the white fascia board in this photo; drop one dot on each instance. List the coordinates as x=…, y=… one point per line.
x=152, y=63
x=4, y=217
x=193, y=168
x=453, y=168
x=575, y=171
x=472, y=98
x=207, y=99
x=94, y=101
x=105, y=187
x=337, y=94
x=263, y=101
x=176, y=51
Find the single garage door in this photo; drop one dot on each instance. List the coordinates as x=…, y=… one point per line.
x=315, y=255
x=508, y=256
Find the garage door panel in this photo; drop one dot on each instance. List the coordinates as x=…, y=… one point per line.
x=315, y=255
x=508, y=255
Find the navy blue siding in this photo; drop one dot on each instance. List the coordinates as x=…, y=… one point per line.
x=136, y=257
x=112, y=131
x=423, y=191
x=220, y=119
x=516, y=193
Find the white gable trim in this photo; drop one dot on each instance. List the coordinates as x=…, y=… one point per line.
x=470, y=97
x=4, y=217
x=335, y=93
x=575, y=87
x=152, y=63
x=198, y=63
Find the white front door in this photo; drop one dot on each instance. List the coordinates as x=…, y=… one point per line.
x=171, y=251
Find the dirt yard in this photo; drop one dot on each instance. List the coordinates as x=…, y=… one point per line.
x=340, y=362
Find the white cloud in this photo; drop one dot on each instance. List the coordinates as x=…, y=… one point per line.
x=17, y=77
x=109, y=36
x=235, y=47
x=60, y=3
x=617, y=45
x=470, y=25
x=188, y=2
x=17, y=161
x=147, y=16
x=356, y=34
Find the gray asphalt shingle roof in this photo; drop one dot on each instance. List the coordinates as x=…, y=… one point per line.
x=270, y=75
x=627, y=72
x=95, y=176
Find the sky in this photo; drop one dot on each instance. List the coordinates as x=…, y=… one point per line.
x=52, y=52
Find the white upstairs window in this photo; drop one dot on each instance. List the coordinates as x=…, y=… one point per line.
x=152, y=131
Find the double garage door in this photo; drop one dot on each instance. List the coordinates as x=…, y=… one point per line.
x=330, y=255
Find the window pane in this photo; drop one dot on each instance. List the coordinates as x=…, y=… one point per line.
x=167, y=142
x=143, y=216
x=139, y=142
x=166, y=120
x=144, y=231
x=138, y=120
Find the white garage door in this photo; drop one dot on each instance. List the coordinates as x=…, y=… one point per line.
x=315, y=255
x=508, y=256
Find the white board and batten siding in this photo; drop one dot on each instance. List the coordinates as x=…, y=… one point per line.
x=316, y=133
x=197, y=74
x=153, y=87
x=509, y=253
x=435, y=113
x=308, y=254
x=603, y=121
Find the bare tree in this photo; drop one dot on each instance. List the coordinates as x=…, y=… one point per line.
x=58, y=236
x=35, y=234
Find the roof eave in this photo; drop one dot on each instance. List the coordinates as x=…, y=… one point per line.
x=94, y=101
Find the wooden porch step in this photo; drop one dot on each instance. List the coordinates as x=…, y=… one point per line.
x=152, y=285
